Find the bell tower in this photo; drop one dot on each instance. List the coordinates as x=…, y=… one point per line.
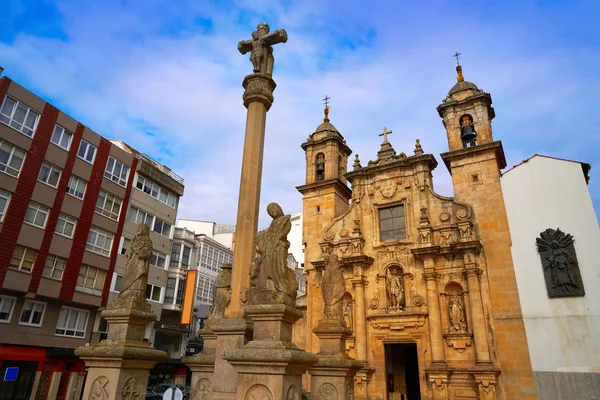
x=475, y=162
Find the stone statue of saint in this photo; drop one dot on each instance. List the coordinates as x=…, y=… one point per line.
x=347, y=307
x=457, y=315
x=395, y=289
x=269, y=272
x=222, y=296
x=333, y=287
x=136, y=266
x=261, y=52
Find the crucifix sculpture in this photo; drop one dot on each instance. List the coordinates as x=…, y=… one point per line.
x=260, y=48
x=385, y=133
x=457, y=56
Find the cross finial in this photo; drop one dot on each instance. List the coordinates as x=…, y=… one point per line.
x=326, y=101
x=457, y=56
x=385, y=133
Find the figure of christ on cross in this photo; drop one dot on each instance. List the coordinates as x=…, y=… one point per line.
x=261, y=52
x=384, y=134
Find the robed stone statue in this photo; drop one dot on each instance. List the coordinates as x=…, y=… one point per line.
x=270, y=273
x=221, y=298
x=137, y=266
x=333, y=287
x=395, y=289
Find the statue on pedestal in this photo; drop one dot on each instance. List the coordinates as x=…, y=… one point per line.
x=269, y=272
x=333, y=287
x=222, y=296
x=395, y=289
x=137, y=265
x=457, y=315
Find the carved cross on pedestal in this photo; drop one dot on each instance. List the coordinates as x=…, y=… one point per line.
x=261, y=52
x=384, y=134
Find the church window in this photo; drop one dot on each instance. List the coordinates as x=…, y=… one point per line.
x=320, y=167
x=392, y=223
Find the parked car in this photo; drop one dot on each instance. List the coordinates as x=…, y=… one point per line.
x=157, y=392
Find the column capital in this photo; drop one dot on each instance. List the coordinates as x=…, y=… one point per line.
x=359, y=280
x=472, y=270
x=430, y=275
x=259, y=88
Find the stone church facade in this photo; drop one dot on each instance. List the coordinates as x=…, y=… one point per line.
x=431, y=295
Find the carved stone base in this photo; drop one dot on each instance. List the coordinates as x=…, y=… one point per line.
x=270, y=366
x=258, y=296
x=333, y=377
x=202, y=366
x=459, y=341
x=332, y=337
x=232, y=333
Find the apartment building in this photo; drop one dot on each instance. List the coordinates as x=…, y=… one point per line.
x=69, y=204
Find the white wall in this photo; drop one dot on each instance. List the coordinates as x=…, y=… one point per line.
x=199, y=227
x=295, y=238
x=563, y=333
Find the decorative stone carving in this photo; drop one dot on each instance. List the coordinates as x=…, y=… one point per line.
x=561, y=269
x=347, y=307
x=203, y=389
x=395, y=288
x=292, y=393
x=137, y=266
x=456, y=311
x=258, y=392
x=327, y=391
x=271, y=280
x=466, y=232
x=99, y=388
x=333, y=288
x=260, y=48
x=131, y=389
x=222, y=296
x=258, y=88
x=374, y=303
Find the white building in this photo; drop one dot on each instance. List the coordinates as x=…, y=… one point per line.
x=295, y=239
x=222, y=233
x=563, y=333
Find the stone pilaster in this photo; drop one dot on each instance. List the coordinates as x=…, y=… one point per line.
x=361, y=318
x=270, y=365
x=434, y=316
x=479, y=326
x=258, y=98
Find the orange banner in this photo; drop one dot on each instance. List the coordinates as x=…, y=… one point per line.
x=188, y=298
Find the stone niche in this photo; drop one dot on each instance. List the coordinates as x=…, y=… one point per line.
x=559, y=261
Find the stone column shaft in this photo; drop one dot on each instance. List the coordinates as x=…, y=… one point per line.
x=482, y=352
x=248, y=206
x=360, y=320
x=435, y=321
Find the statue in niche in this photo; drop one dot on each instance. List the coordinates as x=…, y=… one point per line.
x=222, y=296
x=457, y=314
x=347, y=310
x=395, y=288
x=333, y=288
x=137, y=265
x=561, y=269
x=269, y=272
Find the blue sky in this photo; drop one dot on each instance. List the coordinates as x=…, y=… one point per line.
x=165, y=76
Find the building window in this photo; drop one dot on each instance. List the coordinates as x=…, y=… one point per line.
x=108, y=205
x=99, y=241
x=37, y=214
x=17, y=115
x=90, y=280
x=180, y=291
x=76, y=187
x=116, y=171
x=49, y=174
x=153, y=292
x=125, y=245
x=391, y=223
x=185, y=258
x=65, y=225
x=86, y=151
x=11, y=159
x=158, y=259
x=33, y=313
x=138, y=216
x=7, y=305
x=117, y=283
x=162, y=227
x=22, y=258
x=320, y=167
x=54, y=267
x=4, y=199
x=170, y=290
x=154, y=190
x=61, y=137
x=175, y=253
x=72, y=322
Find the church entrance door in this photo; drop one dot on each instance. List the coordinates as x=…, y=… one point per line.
x=402, y=371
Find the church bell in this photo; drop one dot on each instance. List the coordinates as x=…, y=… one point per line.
x=467, y=133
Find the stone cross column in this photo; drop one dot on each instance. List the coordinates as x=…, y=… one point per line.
x=258, y=98
x=433, y=307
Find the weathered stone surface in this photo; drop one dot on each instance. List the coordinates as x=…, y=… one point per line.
x=222, y=296
x=333, y=287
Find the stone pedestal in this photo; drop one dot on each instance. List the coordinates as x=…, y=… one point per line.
x=231, y=333
x=202, y=366
x=333, y=376
x=270, y=366
x=118, y=367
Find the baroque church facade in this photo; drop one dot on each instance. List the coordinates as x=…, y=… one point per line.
x=431, y=295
